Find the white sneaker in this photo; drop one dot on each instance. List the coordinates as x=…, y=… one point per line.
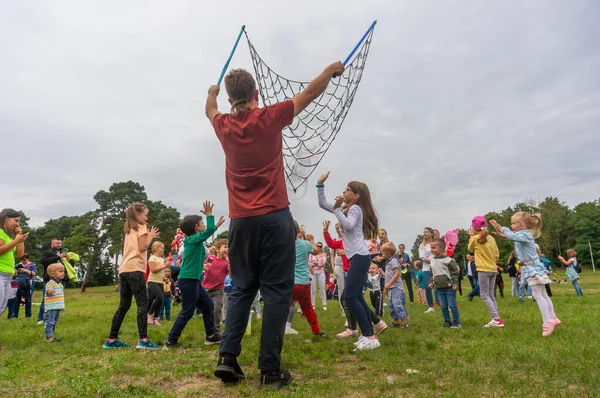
x=430, y=310
x=368, y=344
x=299, y=311
x=289, y=330
x=346, y=324
x=360, y=339
x=258, y=316
x=324, y=308
x=494, y=324
x=40, y=322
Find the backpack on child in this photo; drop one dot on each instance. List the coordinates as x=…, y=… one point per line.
x=577, y=266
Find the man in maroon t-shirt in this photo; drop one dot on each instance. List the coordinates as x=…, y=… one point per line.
x=261, y=232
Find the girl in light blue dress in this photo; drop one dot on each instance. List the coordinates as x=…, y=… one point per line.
x=525, y=227
x=572, y=274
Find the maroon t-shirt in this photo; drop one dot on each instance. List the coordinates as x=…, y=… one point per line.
x=252, y=142
x=215, y=273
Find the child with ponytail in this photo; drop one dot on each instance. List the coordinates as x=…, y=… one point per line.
x=525, y=227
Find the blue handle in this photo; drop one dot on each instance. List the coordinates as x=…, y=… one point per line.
x=360, y=42
x=230, y=56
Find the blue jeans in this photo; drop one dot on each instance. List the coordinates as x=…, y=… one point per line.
x=448, y=300
x=515, y=286
x=41, y=312
x=473, y=281
x=397, y=304
x=165, y=309
x=10, y=307
x=193, y=295
x=577, y=287
x=50, y=323
x=23, y=292
x=353, y=292
x=428, y=295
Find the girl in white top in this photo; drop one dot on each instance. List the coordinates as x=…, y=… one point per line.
x=359, y=222
x=426, y=256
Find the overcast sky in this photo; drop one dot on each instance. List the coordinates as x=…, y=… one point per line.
x=464, y=107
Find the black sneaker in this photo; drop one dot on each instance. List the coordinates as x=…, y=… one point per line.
x=275, y=379
x=470, y=298
x=212, y=340
x=446, y=325
x=175, y=346
x=228, y=370
x=320, y=334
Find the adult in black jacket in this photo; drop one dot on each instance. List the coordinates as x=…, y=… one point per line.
x=50, y=256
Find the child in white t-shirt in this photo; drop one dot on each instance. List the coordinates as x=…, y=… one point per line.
x=374, y=286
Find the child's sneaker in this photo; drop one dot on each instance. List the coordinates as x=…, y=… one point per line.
x=346, y=333
x=360, y=339
x=212, y=340
x=176, y=346
x=556, y=321
x=156, y=322
x=446, y=325
x=456, y=326
x=150, y=320
x=228, y=370
x=404, y=325
x=324, y=308
x=114, y=344
x=429, y=310
x=380, y=327
x=40, y=323
x=146, y=345
x=547, y=329
x=494, y=323
x=290, y=330
x=275, y=379
x=368, y=344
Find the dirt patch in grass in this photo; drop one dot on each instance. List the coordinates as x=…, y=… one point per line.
x=197, y=386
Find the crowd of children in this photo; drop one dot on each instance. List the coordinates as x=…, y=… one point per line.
x=204, y=281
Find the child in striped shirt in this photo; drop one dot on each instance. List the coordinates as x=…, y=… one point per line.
x=54, y=301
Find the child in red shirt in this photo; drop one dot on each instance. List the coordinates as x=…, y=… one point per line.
x=215, y=272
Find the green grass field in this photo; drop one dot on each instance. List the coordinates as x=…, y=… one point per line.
x=472, y=361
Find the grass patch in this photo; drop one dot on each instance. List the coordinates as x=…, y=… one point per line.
x=514, y=361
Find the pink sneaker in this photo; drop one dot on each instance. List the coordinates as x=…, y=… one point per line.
x=150, y=320
x=556, y=321
x=156, y=322
x=346, y=333
x=380, y=327
x=494, y=323
x=547, y=329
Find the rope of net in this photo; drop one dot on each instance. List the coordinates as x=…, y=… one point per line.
x=310, y=135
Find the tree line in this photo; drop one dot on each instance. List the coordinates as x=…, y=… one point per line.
x=562, y=228
x=97, y=235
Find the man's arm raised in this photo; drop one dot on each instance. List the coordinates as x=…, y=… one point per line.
x=212, y=108
x=316, y=87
